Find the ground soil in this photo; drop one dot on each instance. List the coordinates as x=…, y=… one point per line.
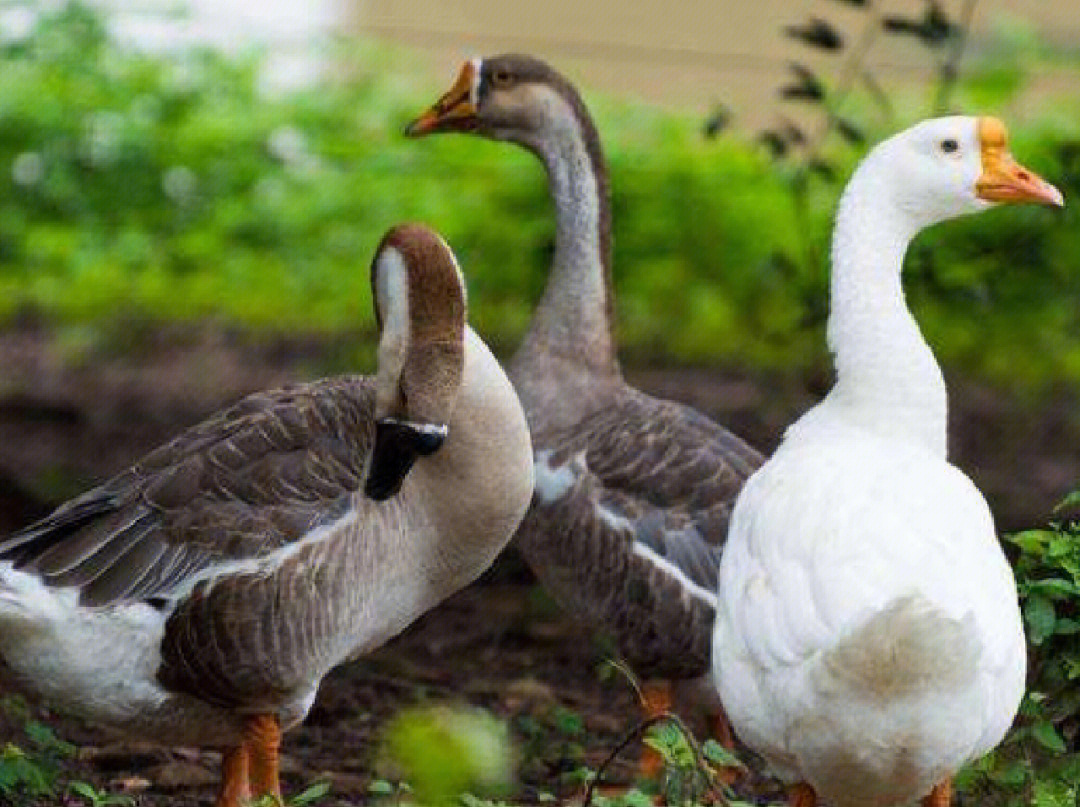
x=67, y=421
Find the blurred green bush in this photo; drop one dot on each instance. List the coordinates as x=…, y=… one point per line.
x=140, y=189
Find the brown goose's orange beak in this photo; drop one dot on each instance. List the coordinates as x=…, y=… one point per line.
x=455, y=110
x=1005, y=180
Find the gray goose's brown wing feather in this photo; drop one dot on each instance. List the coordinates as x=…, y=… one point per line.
x=255, y=477
x=628, y=523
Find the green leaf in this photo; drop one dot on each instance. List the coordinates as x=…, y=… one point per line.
x=568, y=722
x=46, y=740
x=1047, y=736
x=718, y=755
x=1040, y=617
x=1055, y=588
x=1030, y=541
x=380, y=787
x=309, y=796
x=1066, y=626
x=1011, y=775
x=1072, y=500
x=1054, y=794
x=84, y=789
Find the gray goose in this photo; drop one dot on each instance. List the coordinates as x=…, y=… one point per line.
x=633, y=493
x=228, y=571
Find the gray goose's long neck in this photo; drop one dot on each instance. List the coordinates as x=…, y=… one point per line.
x=887, y=378
x=573, y=323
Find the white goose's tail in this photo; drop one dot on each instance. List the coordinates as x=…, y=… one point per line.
x=894, y=705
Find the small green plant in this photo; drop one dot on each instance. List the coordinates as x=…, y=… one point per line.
x=691, y=769
x=1039, y=762
x=92, y=797
x=552, y=748
x=309, y=796
x=32, y=771
x=21, y=776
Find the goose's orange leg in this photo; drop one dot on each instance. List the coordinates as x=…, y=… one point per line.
x=656, y=699
x=802, y=795
x=234, y=790
x=262, y=738
x=940, y=796
x=721, y=730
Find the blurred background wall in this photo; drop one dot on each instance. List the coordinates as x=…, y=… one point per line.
x=685, y=52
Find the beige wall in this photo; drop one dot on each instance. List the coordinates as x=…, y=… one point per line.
x=683, y=52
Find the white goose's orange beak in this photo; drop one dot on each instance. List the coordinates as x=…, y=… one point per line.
x=1005, y=180
x=454, y=111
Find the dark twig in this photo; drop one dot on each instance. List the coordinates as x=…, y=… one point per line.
x=950, y=69
x=631, y=735
x=638, y=731
x=877, y=92
x=850, y=73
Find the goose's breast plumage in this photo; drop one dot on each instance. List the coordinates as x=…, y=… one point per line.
x=628, y=521
x=864, y=597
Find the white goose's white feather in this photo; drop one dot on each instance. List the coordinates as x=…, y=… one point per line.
x=875, y=525
x=868, y=638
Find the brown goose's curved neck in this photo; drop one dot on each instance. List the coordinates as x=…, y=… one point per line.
x=574, y=320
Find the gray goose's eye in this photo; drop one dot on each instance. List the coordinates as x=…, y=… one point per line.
x=501, y=78
x=949, y=146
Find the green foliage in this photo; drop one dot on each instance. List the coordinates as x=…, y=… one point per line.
x=443, y=752
x=139, y=189
x=311, y=795
x=1039, y=763
x=552, y=745
x=92, y=797
x=31, y=772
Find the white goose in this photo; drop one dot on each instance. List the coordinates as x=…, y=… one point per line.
x=868, y=640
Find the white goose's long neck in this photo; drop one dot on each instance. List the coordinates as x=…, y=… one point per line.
x=887, y=378
x=572, y=324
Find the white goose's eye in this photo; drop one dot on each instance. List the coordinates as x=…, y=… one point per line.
x=949, y=146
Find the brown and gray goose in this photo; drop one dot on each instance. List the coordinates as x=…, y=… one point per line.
x=633, y=493
x=200, y=597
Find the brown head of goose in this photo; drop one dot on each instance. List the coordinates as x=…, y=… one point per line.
x=230, y=570
x=633, y=493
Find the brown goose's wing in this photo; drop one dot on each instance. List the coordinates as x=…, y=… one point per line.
x=251, y=479
x=668, y=472
x=628, y=522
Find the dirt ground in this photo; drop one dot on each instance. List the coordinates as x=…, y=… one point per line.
x=496, y=645
x=67, y=421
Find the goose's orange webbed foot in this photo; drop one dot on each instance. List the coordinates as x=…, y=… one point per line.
x=940, y=796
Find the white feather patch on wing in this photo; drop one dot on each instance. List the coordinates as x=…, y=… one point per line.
x=671, y=570
x=265, y=564
x=553, y=481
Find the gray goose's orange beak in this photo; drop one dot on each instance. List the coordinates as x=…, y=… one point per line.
x=455, y=110
x=1005, y=180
